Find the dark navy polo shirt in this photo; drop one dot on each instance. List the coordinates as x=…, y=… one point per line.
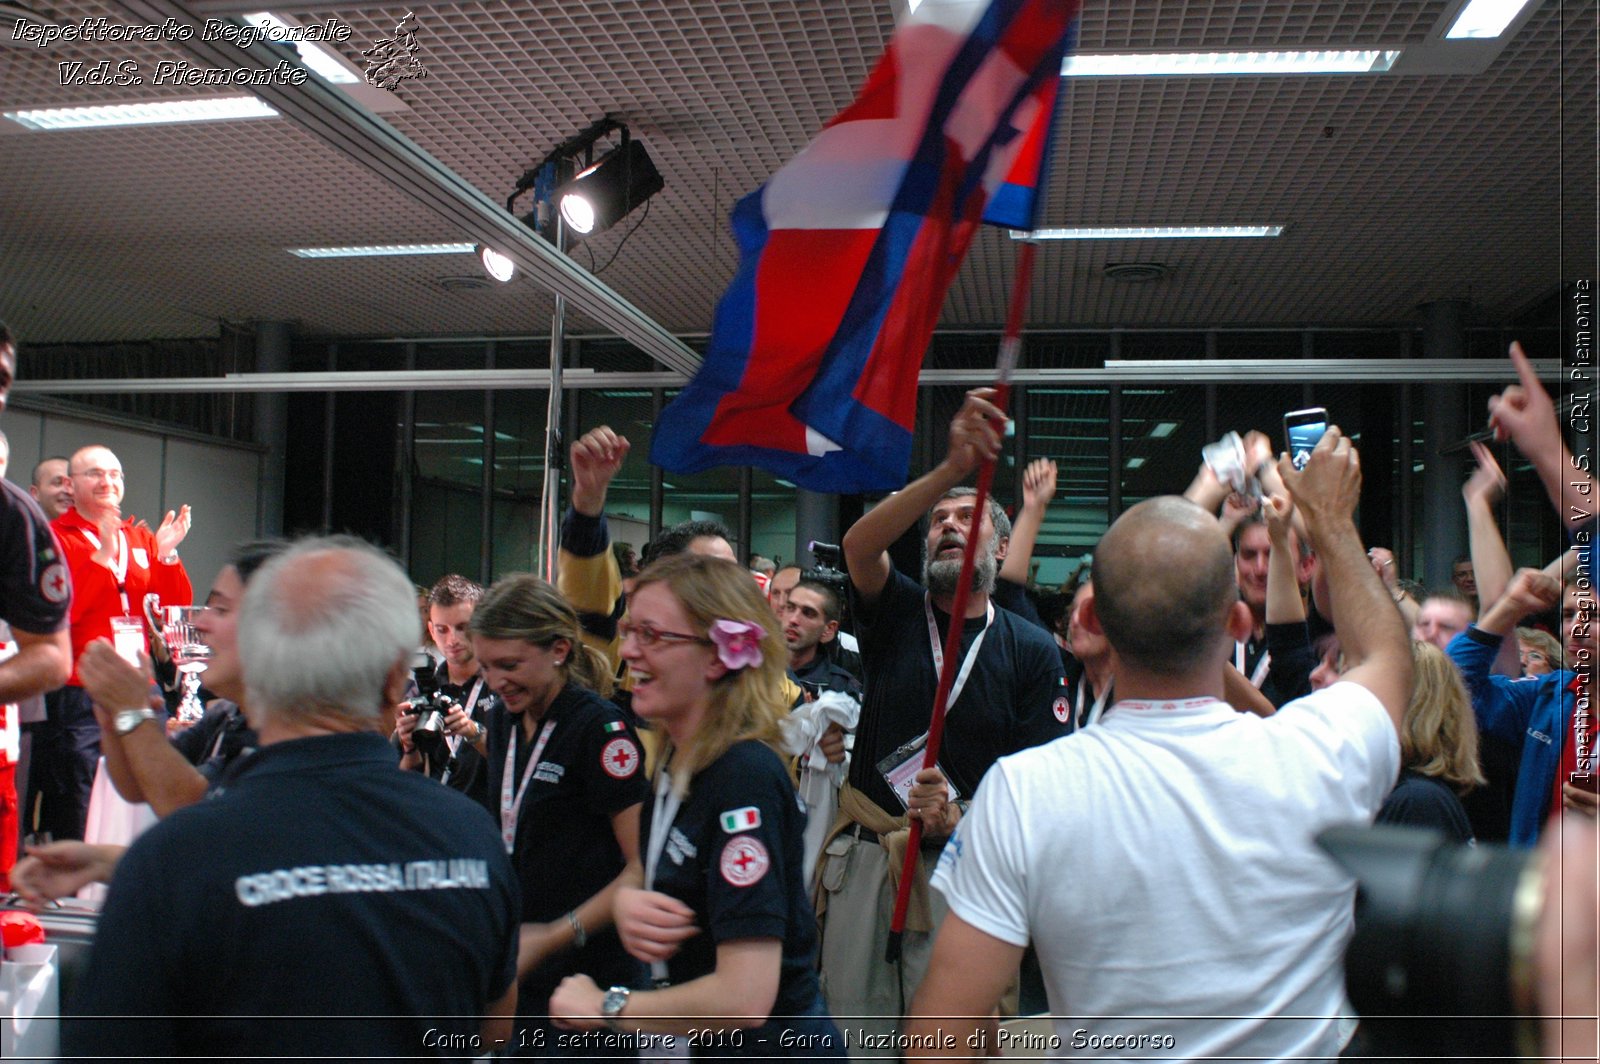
x=322, y=904
x=735, y=856
x=35, y=588
x=565, y=846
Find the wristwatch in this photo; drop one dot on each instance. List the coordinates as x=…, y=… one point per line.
x=129, y=719
x=611, y=1005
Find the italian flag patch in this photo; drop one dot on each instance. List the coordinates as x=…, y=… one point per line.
x=741, y=819
x=615, y=726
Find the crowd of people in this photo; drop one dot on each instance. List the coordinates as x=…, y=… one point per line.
x=668, y=807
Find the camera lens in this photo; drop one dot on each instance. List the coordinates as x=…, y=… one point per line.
x=1440, y=931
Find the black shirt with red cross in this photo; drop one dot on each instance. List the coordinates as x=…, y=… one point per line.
x=565, y=850
x=735, y=855
x=35, y=589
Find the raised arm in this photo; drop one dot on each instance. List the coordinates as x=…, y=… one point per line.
x=1530, y=591
x=1284, y=604
x=1374, y=639
x=1038, y=488
x=595, y=458
x=1491, y=562
x=974, y=436
x=1207, y=491
x=1524, y=414
x=143, y=765
x=587, y=572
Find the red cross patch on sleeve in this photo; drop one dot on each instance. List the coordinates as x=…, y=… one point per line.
x=620, y=758
x=744, y=861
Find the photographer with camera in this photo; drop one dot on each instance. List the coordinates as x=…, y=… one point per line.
x=440, y=728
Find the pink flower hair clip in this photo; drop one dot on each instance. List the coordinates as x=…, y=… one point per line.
x=738, y=643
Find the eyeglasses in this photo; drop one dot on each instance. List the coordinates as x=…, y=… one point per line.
x=649, y=636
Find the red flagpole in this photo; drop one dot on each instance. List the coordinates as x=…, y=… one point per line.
x=1010, y=343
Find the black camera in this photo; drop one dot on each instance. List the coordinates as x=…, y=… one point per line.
x=1441, y=962
x=431, y=705
x=829, y=557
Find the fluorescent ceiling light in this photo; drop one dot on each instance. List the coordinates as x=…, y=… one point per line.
x=1148, y=232
x=1210, y=64
x=363, y=250
x=322, y=60
x=1164, y=429
x=1135, y=463
x=1482, y=19
x=143, y=114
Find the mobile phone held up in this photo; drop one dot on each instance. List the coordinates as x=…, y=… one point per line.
x=1303, y=429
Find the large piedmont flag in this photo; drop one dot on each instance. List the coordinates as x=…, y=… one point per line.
x=847, y=252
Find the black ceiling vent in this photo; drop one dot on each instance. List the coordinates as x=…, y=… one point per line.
x=463, y=283
x=1135, y=271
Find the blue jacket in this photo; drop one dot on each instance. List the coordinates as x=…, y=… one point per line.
x=1532, y=714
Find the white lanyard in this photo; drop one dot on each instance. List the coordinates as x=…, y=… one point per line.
x=1099, y=703
x=454, y=741
x=666, y=811
x=511, y=808
x=119, y=562
x=938, y=650
x=1260, y=675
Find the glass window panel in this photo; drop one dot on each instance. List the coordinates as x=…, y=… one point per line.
x=1357, y=344
x=451, y=356
x=772, y=517
x=1065, y=350
x=447, y=438
x=516, y=524
x=519, y=443
x=370, y=355
x=1162, y=432
x=1162, y=345
x=1232, y=345
x=1068, y=424
x=522, y=354
x=445, y=519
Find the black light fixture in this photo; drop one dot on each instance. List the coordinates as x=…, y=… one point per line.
x=602, y=195
x=589, y=201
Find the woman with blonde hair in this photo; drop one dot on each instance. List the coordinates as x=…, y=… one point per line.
x=566, y=782
x=717, y=905
x=1438, y=750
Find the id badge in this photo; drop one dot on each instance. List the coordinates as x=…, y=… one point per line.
x=899, y=771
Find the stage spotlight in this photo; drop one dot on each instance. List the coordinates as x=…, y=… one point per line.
x=496, y=265
x=600, y=196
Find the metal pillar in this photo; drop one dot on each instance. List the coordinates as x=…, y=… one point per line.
x=549, y=500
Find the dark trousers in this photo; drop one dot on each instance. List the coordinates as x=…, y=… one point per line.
x=66, y=752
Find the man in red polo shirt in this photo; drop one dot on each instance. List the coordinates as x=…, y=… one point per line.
x=115, y=561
